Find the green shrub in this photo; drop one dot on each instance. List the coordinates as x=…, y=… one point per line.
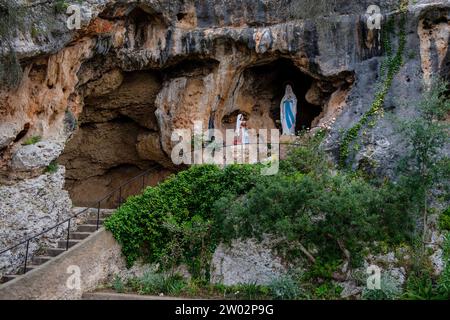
x=329, y=212
x=307, y=156
x=152, y=283
x=322, y=270
x=178, y=209
x=249, y=291
x=390, y=289
x=443, y=283
x=419, y=286
x=118, y=285
x=423, y=285
x=61, y=6
x=425, y=165
x=285, y=288
x=327, y=291
x=444, y=220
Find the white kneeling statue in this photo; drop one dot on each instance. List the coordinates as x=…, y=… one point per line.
x=288, y=109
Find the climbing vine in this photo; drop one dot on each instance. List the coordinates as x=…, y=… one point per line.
x=389, y=68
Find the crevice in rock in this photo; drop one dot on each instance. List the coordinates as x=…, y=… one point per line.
x=22, y=133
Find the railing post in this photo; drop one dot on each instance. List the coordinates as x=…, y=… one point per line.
x=68, y=235
x=98, y=215
x=26, y=257
x=111, y=195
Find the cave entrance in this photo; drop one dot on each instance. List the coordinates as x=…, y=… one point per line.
x=262, y=91
x=116, y=139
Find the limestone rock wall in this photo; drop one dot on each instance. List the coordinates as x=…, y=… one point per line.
x=105, y=99
x=28, y=207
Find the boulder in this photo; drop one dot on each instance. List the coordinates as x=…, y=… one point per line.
x=34, y=156
x=246, y=262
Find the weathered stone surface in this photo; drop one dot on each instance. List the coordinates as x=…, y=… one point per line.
x=116, y=94
x=38, y=155
x=149, y=147
x=27, y=208
x=245, y=262
x=219, y=42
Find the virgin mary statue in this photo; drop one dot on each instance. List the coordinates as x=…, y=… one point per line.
x=288, y=109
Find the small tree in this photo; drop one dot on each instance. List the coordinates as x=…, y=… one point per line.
x=426, y=135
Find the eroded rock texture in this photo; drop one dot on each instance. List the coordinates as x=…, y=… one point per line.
x=248, y=261
x=30, y=206
x=110, y=94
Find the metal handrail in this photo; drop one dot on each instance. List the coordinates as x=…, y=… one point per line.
x=68, y=220
x=98, y=203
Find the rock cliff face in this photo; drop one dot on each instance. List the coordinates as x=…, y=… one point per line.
x=104, y=99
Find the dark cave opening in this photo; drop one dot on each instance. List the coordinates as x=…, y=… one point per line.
x=106, y=148
x=268, y=82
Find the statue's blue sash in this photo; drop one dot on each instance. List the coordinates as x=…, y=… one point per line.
x=290, y=119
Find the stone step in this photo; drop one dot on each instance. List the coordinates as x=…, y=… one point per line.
x=40, y=259
x=93, y=212
x=31, y=267
x=94, y=221
x=72, y=242
x=9, y=277
x=79, y=235
x=53, y=252
x=87, y=228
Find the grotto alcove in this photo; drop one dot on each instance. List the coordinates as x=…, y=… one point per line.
x=116, y=139
x=262, y=88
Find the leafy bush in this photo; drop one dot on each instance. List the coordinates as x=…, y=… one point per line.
x=118, y=285
x=419, y=286
x=178, y=209
x=333, y=213
x=423, y=285
x=327, y=291
x=152, y=283
x=443, y=283
x=390, y=289
x=444, y=220
x=307, y=156
x=426, y=135
x=61, y=6
x=285, y=288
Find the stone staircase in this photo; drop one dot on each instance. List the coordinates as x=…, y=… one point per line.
x=86, y=225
